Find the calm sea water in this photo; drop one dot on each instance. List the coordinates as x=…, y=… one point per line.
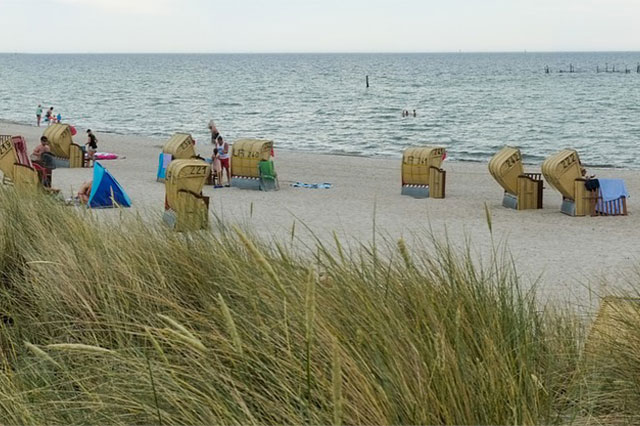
x=471, y=103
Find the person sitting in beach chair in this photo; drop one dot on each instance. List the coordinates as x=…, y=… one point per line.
x=17, y=167
x=564, y=172
x=522, y=190
x=36, y=155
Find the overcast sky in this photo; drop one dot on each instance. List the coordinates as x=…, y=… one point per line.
x=318, y=25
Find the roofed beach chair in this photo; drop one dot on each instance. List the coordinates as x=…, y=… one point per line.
x=67, y=154
x=422, y=176
x=252, y=166
x=17, y=168
x=563, y=171
x=522, y=190
x=181, y=146
x=186, y=209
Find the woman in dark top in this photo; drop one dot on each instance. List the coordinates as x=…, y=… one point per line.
x=91, y=147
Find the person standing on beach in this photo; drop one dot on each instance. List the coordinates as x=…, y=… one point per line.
x=223, y=154
x=49, y=116
x=91, y=146
x=214, y=132
x=39, y=114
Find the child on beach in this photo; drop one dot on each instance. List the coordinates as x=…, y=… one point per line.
x=217, y=167
x=59, y=118
x=48, y=118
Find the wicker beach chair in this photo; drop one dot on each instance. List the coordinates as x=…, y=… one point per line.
x=251, y=165
x=186, y=209
x=66, y=153
x=563, y=171
x=17, y=168
x=180, y=146
x=422, y=176
x=522, y=190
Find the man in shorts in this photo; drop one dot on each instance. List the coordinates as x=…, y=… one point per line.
x=223, y=154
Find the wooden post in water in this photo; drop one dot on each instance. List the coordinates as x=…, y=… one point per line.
x=367, y=82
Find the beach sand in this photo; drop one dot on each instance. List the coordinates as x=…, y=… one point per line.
x=567, y=257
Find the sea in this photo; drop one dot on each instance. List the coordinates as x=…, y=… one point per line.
x=471, y=103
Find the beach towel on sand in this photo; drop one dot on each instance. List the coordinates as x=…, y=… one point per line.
x=325, y=185
x=106, y=156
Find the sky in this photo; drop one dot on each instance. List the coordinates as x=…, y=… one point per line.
x=270, y=26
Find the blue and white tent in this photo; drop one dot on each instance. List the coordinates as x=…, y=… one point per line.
x=105, y=190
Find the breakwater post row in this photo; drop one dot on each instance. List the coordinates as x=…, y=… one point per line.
x=607, y=69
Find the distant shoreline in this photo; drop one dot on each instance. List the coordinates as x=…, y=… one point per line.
x=306, y=151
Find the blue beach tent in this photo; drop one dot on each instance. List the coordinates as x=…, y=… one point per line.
x=105, y=190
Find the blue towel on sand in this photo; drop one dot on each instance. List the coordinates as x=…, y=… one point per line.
x=325, y=185
x=612, y=189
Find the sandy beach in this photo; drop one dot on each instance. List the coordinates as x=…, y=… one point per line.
x=565, y=255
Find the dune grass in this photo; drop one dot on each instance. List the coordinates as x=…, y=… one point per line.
x=138, y=324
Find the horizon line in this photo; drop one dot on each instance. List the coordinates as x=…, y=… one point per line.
x=322, y=52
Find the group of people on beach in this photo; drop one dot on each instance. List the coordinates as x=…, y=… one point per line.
x=50, y=117
x=220, y=157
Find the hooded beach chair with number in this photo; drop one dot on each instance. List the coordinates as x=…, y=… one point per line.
x=422, y=176
x=605, y=197
x=17, y=168
x=252, y=166
x=67, y=154
x=522, y=190
x=181, y=146
x=186, y=209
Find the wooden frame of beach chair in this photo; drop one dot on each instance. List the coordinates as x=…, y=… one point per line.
x=422, y=176
x=67, y=154
x=598, y=207
x=246, y=156
x=522, y=191
x=186, y=209
x=563, y=171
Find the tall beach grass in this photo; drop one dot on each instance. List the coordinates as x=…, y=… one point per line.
x=137, y=324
